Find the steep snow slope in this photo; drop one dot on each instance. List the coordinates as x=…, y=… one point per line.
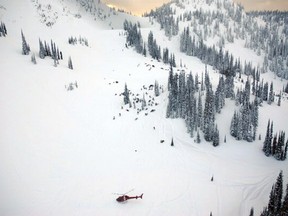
x=61, y=152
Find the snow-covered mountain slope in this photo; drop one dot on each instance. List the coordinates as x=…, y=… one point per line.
x=67, y=152
x=54, y=13
x=259, y=40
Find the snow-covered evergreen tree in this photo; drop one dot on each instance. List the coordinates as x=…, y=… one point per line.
x=271, y=94
x=143, y=104
x=200, y=112
x=278, y=192
x=279, y=150
x=42, y=52
x=277, y=204
x=216, y=137
x=220, y=95
x=33, y=58
x=134, y=36
x=126, y=95
x=70, y=65
x=25, y=46
x=251, y=212
x=198, y=139
x=284, y=209
x=3, y=30
x=209, y=115
x=172, y=142
x=267, y=143
x=156, y=89
x=279, y=99
x=286, y=89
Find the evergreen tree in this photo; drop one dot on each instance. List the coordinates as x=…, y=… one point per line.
x=194, y=104
x=196, y=82
x=286, y=89
x=220, y=95
x=275, y=199
x=172, y=60
x=3, y=30
x=198, y=139
x=55, y=63
x=239, y=127
x=209, y=115
x=33, y=58
x=156, y=89
x=271, y=94
x=271, y=204
x=143, y=105
x=284, y=209
x=247, y=92
x=229, y=87
x=58, y=55
x=153, y=48
x=267, y=143
x=255, y=117
x=279, y=153
x=184, y=94
x=42, y=52
x=150, y=43
x=277, y=207
x=25, y=46
x=279, y=99
x=126, y=95
x=234, y=125
x=238, y=99
x=278, y=193
x=172, y=142
x=200, y=112
x=134, y=37
x=165, y=56
x=265, y=92
x=251, y=212
x=285, y=151
x=216, y=137
x=144, y=50
x=274, y=145
x=70, y=65
x=170, y=78
x=271, y=133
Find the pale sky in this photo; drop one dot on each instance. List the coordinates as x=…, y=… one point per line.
x=141, y=6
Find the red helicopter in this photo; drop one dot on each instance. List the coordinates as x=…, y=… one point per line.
x=125, y=197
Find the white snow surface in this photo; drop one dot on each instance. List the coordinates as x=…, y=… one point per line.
x=62, y=154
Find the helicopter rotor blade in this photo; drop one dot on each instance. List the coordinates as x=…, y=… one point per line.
x=130, y=191
x=124, y=193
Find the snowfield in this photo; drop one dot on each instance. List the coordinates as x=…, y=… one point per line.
x=66, y=153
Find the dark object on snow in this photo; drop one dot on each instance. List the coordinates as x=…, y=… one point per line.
x=124, y=198
x=212, y=179
x=162, y=141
